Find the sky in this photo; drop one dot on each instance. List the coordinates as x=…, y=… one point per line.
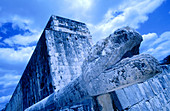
x=22, y=22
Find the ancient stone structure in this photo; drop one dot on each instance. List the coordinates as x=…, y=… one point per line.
x=55, y=62
x=67, y=73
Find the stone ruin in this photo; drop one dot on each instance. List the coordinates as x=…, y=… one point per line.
x=67, y=73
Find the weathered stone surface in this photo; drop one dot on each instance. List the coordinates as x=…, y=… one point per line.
x=68, y=43
x=55, y=62
x=148, y=91
x=67, y=25
x=97, y=79
x=109, y=51
x=135, y=108
x=162, y=99
x=132, y=97
x=153, y=96
x=155, y=104
x=66, y=54
x=149, y=106
x=78, y=90
x=155, y=86
x=120, y=99
x=143, y=106
x=127, y=72
x=67, y=96
x=106, y=102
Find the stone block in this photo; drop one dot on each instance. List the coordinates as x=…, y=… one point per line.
x=167, y=79
x=162, y=99
x=155, y=86
x=135, y=108
x=162, y=82
x=148, y=105
x=155, y=104
x=167, y=107
x=143, y=106
x=125, y=73
x=142, y=90
x=148, y=91
x=105, y=102
x=131, y=95
x=122, y=99
x=137, y=92
x=167, y=94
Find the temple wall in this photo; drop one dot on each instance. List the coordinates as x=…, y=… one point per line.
x=55, y=62
x=153, y=94
x=150, y=95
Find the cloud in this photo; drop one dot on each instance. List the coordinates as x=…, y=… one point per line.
x=24, y=40
x=37, y=12
x=5, y=98
x=85, y=5
x=130, y=13
x=148, y=40
x=18, y=32
x=156, y=45
x=17, y=20
x=23, y=23
x=22, y=43
x=78, y=9
x=9, y=80
x=12, y=56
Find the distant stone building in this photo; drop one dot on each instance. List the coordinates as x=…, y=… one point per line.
x=55, y=77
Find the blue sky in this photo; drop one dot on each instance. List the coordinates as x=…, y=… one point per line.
x=22, y=22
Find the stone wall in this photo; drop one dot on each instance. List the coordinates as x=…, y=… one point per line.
x=150, y=95
x=55, y=62
x=67, y=52
x=104, y=85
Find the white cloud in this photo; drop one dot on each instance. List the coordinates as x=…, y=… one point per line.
x=4, y=99
x=165, y=37
x=133, y=13
x=78, y=9
x=13, y=56
x=84, y=5
x=19, y=21
x=148, y=40
x=9, y=80
x=156, y=46
x=22, y=39
x=27, y=38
